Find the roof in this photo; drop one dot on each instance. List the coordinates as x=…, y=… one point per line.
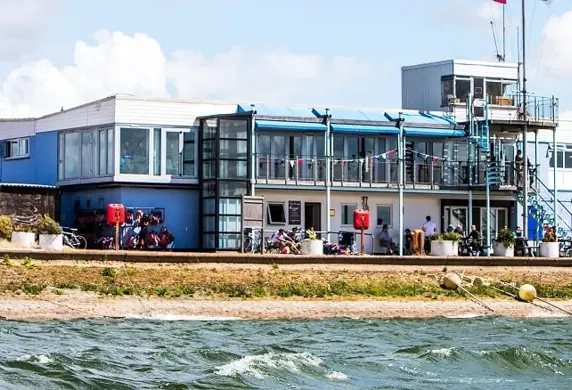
x=27, y=185
x=462, y=62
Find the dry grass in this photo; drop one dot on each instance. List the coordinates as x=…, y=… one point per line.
x=268, y=282
x=10, y=245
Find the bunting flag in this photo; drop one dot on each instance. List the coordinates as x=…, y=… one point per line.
x=500, y=1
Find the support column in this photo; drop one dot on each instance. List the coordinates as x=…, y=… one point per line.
x=401, y=154
x=253, y=154
x=327, y=150
x=555, y=222
x=524, y=127
x=535, y=171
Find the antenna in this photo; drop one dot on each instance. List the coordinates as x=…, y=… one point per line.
x=499, y=57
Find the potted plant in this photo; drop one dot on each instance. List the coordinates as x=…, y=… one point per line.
x=549, y=246
x=6, y=227
x=312, y=245
x=445, y=244
x=504, y=243
x=23, y=235
x=50, y=232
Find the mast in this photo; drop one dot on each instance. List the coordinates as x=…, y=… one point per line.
x=503, y=33
x=524, y=127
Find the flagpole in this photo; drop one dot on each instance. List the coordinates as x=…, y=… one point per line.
x=503, y=33
x=524, y=128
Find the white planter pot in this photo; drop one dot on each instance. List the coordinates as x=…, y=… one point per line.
x=23, y=239
x=52, y=242
x=444, y=248
x=501, y=250
x=312, y=247
x=550, y=249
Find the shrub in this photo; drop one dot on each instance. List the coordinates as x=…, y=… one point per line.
x=47, y=225
x=506, y=238
x=23, y=228
x=311, y=234
x=6, y=226
x=447, y=236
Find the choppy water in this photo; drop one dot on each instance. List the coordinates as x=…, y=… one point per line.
x=482, y=353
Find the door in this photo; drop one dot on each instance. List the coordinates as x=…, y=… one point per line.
x=456, y=216
x=313, y=216
x=499, y=219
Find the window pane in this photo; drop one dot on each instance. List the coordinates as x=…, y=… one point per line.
x=233, y=149
x=229, y=241
x=233, y=189
x=71, y=157
x=102, y=142
x=233, y=128
x=189, y=151
x=446, y=91
x=209, y=206
x=276, y=213
x=189, y=169
x=209, y=224
x=568, y=159
x=86, y=154
x=173, y=153
x=263, y=147
x=348, y=214
x=209, y=189
x=384, y=215
x=209, y=150
x=278, y=146
x=156, y=152
x=230, y=206
x=110, y=151
x=209, y=171
x=230, y=169
x=209, y=129
x=462, y=89
x=61, y=157
x=209, y=241
x=338, y=146
x=229, y=223
x=134, y=151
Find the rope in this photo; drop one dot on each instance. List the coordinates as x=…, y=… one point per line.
x=145, y=309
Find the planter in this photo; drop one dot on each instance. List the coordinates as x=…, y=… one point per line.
x=444, y=248
x=24, y=239
x=501, y=250
x=52, y=242
x=312, y=248
x=550, y=249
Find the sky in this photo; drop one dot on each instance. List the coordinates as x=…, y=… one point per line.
x=62, y=53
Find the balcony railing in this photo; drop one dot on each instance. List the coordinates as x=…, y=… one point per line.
x=301, y=170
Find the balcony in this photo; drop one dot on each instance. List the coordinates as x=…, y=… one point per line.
x=305, y=171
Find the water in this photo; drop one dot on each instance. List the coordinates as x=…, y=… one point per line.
x=477, y=353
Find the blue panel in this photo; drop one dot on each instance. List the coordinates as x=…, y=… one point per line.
x=68, y=198
x=352, y=115
x=428, y=132
x=40, y=168
x=338, y=128
x=280, y=111
x=290, y=126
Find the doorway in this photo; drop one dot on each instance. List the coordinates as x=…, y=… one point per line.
x=313, y=216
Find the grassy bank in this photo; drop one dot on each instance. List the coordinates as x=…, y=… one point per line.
x=25, y=277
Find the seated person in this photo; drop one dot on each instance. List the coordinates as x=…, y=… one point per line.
x=450, y=229
x=295, y=235
x=459, y=230
x=473, y=240
x=521, y=243
x=409, y=250
x=385, y=240
x=549, y=235
x=283, y=241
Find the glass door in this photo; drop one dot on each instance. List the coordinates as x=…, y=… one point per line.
x=455, y=215
x=499, y=219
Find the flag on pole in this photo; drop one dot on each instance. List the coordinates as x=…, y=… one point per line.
x=500, y=1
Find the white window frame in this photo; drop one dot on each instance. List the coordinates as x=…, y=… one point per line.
x=351, y=222
x=181, y=132
x=390, y=207
x=8, y=146
x=269, y=214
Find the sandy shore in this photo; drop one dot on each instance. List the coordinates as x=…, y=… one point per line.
x=75, y=304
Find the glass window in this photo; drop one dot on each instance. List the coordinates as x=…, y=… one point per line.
x=156, y=152
x=209, y=206
x=209, y=150
x=209, y=189
x=263, y=147
x=209, y=169
x=559, y=159
x=232, y=169
x=348, y=214
x=320, y=143
x=209, y=224
x=230, y=206
x=233, y=188
x=72, y=155
x=446, y=91
x=495, y=90
x=233, y=128
x=61, y=156
x=233, y=149
x=110, y=151
x=189, y=153
x=276, y=214
x=229, y=241
x=209, y=241
x=384, y=215
x=17, y=148
x=229, y=223
x=462, y=89
x=86, y=154
x=134, y=151
x=338, y=146
x=278, y=146
x=102, y=144
x=173, y=153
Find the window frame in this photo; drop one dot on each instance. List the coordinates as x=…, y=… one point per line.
x=342, y=214
x=269, y=219
x=8, y=148
x=390, y=208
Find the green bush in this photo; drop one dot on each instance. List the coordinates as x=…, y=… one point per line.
x=23, y=228
x=47, y=225
x=447, y=236
x=506, y=238
x=6, y=227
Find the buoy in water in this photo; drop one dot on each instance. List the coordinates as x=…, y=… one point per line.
x=451, y=281
x=527, y=292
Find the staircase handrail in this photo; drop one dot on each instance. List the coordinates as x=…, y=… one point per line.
x=551, y=192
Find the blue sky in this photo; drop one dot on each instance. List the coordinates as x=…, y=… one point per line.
x=330, y=52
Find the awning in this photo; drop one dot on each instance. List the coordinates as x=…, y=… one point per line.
x=290, y=126
x=364, y=129
x=429, y=132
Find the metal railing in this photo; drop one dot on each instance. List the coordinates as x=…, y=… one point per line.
x=378, y=172
x=538, y=108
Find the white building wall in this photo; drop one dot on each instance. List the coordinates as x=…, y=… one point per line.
x=166, y=112
x=16, y=128
x=497, y=70
x=96, y=113
x=421, y=85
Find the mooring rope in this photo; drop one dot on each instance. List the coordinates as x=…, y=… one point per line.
x=136, y=291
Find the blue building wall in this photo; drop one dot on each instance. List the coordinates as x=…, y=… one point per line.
x=40, y=168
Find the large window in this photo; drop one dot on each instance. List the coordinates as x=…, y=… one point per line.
x=348, y=214
x=17, y=148
x=384, y=215
x=106, y=148
x=72, y=155
x=134, y=152
x=462, y=89
x=276, y=214
x=85, y=154
x=447, y=90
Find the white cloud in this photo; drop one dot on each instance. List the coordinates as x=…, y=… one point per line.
x=136, y=64
x=21, y=21
x=556, y=61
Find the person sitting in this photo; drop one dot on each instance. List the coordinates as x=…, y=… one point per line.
x=521, y=243
x=295, y=235
x=408, y=238
x=385, y=240
x=450, y=229
x=284, y=242
x=473, y=240
x=459, y=230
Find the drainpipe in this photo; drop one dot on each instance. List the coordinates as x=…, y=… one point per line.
x=400, y=145
x=487, y=172
x=253, y=154
x=535, y=171
x=328, y=172
x=555, y=178
x=471, y=145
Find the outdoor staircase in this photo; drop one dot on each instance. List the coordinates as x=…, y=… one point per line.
x=479, y=138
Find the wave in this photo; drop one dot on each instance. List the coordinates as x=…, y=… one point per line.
x=176, y=317
x=40, y=359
